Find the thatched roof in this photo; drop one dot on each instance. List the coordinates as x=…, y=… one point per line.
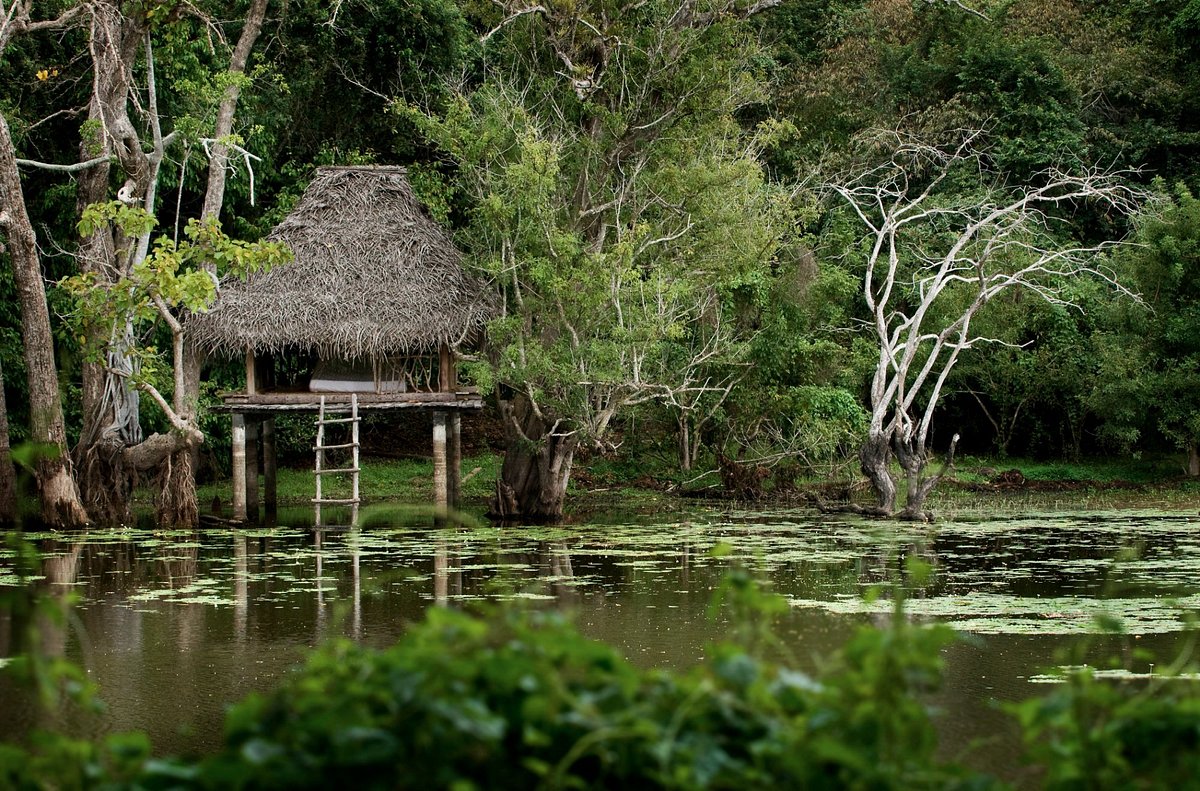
x=373, y=275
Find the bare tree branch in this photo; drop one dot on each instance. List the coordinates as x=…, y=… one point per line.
x=537, y=9
x=979, y=246
x=74, y=167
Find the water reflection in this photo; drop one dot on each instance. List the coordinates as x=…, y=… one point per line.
x=175, y=625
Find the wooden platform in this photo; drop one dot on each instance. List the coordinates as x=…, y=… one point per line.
x=311, y=402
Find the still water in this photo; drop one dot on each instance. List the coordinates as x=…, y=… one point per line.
x=173, y=626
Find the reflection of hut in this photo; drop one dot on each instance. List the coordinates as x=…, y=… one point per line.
x=376, y=294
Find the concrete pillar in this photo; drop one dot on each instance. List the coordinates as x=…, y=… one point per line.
x=441, y=494
x=239, y=466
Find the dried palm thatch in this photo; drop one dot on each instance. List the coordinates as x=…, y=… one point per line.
x=373, y=275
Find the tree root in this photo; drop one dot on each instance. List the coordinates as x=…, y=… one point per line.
x=176, y=503
x=874, y=511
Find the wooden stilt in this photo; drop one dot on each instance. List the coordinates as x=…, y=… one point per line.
x=239, y=466
x=270, y=499
x=440, y=481
x=454, y=442
x=252, y=426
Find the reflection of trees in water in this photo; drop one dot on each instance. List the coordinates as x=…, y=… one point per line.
x=556, y=564
x=112, y=567
x=552, y=572
x=177, y=563
x=38, y=624
x=60, y=567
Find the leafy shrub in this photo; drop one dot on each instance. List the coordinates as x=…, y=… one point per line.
x=1092, y=733
x=520, y=700
x=515, y=698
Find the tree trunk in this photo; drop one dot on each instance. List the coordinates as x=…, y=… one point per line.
x=177, y=502
x=1193, y=468
x=914, y=462
x=875, y=458
x=685, y=444
x=537, y=466
x=214, y=195
x=56, y=488
x=8, y=487
x=110, y=404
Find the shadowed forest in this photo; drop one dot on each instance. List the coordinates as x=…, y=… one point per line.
x=759, y=241
x=748, y=251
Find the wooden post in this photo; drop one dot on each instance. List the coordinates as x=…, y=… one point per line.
x=251, y=373
x=447, y=380
x=454, y=474
x=270, y=500
x=239, y=466
x=252, y=426
x=440, y=488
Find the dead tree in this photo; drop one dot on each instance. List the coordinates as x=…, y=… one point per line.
x=933, y=259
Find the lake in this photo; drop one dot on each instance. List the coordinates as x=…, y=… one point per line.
x=175, y=625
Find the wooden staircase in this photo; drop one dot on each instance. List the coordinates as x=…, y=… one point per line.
x=319, y=468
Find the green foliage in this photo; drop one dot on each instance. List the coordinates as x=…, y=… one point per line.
x=1095, y=734
x=1151, y=352
x=518, y=699
x=172, y=277
x=617, y=240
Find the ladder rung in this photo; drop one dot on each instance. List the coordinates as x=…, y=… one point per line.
x=334, y=472
x=328, y=420
x=335, y=447
x=328, y=501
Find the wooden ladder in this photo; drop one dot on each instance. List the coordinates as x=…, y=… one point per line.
x=321, y=447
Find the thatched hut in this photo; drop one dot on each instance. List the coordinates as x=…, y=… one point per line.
x=376, y=294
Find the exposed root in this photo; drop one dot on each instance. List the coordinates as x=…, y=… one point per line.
x=106, y=482
x=176, y=502
x=503, y=504
x=874, y=511
x=853, y=508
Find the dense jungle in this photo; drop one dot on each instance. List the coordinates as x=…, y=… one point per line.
x=765, y=240
x=844, y=315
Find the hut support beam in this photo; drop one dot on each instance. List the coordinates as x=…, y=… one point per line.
x=270, y=500
x=239, y=466
x=441, y=489
x=251, y=373
x=454, y=458
x=252, y=430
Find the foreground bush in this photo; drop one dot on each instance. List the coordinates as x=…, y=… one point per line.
x=522, y=701
x=518, y=699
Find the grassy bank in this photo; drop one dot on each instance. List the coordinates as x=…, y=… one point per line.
x=405, y=480
x=646, y=484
